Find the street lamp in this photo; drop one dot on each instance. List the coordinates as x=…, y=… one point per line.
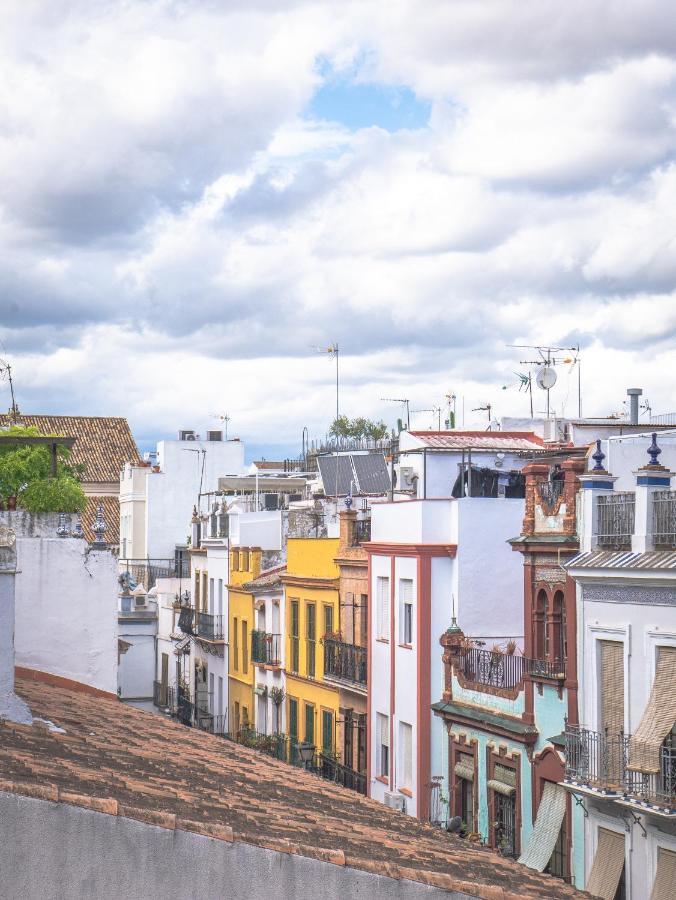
x=306, y=752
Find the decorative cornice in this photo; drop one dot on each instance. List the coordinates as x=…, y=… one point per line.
x=391, y=549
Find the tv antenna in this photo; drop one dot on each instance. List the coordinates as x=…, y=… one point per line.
x=403, y=400
x=487, y=408
x=6, y=372
x=432, y=409
x=223, y=419
x=546, y=376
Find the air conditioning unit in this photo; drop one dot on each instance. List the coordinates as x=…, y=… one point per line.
x=395, y=801
x=140, y=602
x=555, y=431
x=405, y=478
x=188, y=435
x=214, y=435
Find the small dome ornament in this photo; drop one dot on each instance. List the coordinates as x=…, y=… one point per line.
x=99, y=528
x=598, y=458
x=78, y=531
x=654, y=451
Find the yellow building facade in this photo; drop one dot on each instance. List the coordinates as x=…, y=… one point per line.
x=245, y=565
x=312, y=611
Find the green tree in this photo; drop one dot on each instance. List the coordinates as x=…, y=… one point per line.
x=358, y=428
x=26, y=474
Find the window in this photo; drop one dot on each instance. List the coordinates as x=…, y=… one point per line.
x=220, y=597
x=364, y=622
x=348, y=738
x=244, y=560
x=505, y=824
x=236, y=717
x=234, y=560
x=540, y=635
x=405, y=611
x=295, y=636
x=220, y=696
x=205, y=591
x=262, y=715
x=467, y=803
x=196, y=590
x=361, y=743
x=309, y=723
x=383, y=608
x=211, y=693
x=405, y=755
x=612, y=687
x=310, y=634
x=328, y=619
x=235, y=645
x=327, y=731
x=559, y=647
x=293, y=718
x=245, y=648
x=211, y=596
x=383, y=745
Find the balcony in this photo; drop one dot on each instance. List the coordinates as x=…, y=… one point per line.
x=616, y=517
x=361, y=532
x=266, y=649
x=346, y=662
x=147, y=571
x=208, y=627
x=504, y=670
x=664, y=520
x=600, y=762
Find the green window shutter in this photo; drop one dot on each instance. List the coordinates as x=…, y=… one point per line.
x=293, y=719
x=311, y=622
x=328, y=620
x=327, y=732
x=309, y=723
x=294, y=618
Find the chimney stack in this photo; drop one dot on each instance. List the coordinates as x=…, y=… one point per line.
x=633, y=394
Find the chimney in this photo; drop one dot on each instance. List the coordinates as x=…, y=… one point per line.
x=633, y=394
x=11, y=706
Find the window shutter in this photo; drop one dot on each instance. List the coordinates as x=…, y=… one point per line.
x=606, y=869
x=612, y=687
x=665, y=879
x=547, y=826
x=659, y=716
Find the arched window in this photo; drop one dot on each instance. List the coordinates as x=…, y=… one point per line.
x=541, y=610
x=559, y=647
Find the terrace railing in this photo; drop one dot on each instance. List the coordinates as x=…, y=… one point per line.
x=664, y=519
x=209, y=627
x=504, y=670
x=345, y=661
x=616, y=516
x=361, y=532
x=550, y=491
x=266, y=649
x=147, y=571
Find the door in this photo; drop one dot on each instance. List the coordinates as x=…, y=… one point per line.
x=164, y=681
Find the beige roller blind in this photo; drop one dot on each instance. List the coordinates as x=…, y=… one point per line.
x=606, y=869
x=665, y=879
x=612, y=687
x=464, y=767
x=503, y=780
x=543, y=838
x=659, y=716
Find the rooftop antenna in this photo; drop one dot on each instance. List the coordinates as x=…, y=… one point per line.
x=223, y=419
x=332, y=350
x=432, y=409
x=6, y=371
x=546, y=376
x=406, y=402
x=487, y=408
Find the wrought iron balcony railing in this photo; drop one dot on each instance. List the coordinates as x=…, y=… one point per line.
x=550, y=491
x=664, y=519
x=209, y=627
x=616, y=517
x=147, y=571
x=361, y=532
x=504, y=670
x=266, y=649
x=345, y=661
x=602, y=761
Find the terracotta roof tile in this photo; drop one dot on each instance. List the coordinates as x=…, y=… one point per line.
x=479, y=440
x=103, y=443
x=119, y=760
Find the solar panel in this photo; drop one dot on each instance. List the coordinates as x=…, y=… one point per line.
x=364, y=473
x=372, y=473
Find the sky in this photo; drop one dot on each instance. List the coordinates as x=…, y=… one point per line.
x=195, y=195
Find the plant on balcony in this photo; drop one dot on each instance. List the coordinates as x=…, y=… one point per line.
x=277, y=695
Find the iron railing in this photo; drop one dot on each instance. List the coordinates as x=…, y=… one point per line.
x=266, y=649
x=504, y=670
x=601, y=761
x=147, y=571
x=437, y=808
x=664, y=519
x=280, y=746
x=186, y=620
x=345, y=661
x=212, y=724
x=550, y=491
x=616, y=516
x=209, y=627
x=361, y=532
x=160, y=694
x=329, y=768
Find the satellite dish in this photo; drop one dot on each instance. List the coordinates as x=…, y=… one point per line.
x=545, y=378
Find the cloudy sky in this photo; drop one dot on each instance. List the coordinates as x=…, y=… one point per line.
x=194, y=194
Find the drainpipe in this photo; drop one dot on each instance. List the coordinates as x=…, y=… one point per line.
x=424, y=473
x=469, y=473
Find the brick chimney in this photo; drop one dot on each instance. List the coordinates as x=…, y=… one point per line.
x=11, y=706
x=348, y=517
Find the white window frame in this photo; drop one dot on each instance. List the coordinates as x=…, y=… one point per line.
x=405, y=600
x=382, y=740
x=405, y=774
x=383, y=607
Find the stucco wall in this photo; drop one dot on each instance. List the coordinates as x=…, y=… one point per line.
x=66, y=603
x=84, y=854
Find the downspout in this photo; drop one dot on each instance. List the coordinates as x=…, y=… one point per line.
x=424, y=473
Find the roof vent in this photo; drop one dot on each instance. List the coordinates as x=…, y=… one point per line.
x=633, y=394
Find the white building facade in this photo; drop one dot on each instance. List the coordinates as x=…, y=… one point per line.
x=621, y=761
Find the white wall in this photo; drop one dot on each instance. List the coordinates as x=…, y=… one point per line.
x=173, y=491
x=627, y=454
x=137, y=666
x=257, y=529
x=415, y=521
x=66, y=603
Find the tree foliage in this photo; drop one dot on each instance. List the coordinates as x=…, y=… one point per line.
x=358, y=428
x=26, y=474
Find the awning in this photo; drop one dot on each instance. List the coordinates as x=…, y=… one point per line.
x=659, y=716
x=503, y=780
x=665, y=879
x=464, y=770
x=545, y=833
x=606, y=869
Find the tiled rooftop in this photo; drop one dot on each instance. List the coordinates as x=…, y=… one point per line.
x=103, y=443
x=479, y=440
x=122, y=761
